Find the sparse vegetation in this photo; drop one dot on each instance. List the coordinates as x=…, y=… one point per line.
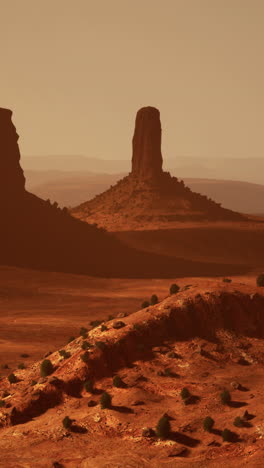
x=24, y=355
x=83, y=331
x=145, y=304
x=71, y=339
x=208, y=424
x=85, y=345
x=95, y=323
x=174, y=288
x=2, y=403
x=100, y=345
x=105, y=400
x=88, y=385
x=227, y=280
x=238, y=422
x=104, y=328
x=154, y=299
x=85, y=357
x=226, y=435
x=225, y=397
x=64, y=354
x=260, y=280
x=117, y=381
x=21, y=365
x=67, y=422
x=46, y=368
x=12, y=378
x=163, y=428
x=33, y=382
x=185, y=394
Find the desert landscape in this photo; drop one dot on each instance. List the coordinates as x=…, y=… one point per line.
x=131, y=279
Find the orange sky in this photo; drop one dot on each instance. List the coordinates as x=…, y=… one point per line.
x=76, y=71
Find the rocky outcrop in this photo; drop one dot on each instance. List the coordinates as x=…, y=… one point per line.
x=12, y=180
x=147, y=157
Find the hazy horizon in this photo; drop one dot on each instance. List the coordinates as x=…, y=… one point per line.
x=75, y=75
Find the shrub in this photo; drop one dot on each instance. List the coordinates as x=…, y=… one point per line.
x=208, y=424
x=106, y=400
x=104, y=328
x=168, y=372
x=100, y=345
x=33, y=382
x=64, y=354
x=117, y=381
x=226, y=435
x=238, y=422
x=46, y=368
x=67, y=422
x=225, y=397
x=83, y=331
x=227, y=280
x=144, y=304
x=185, y=393
x=174, y=288
x=95, y=323
x=24, y=355
x=88, y=385
x=71, y=339
x=12, y=378
x=2, y=403
x=163, y=428
x=260, y=280
x=154, y=299
x=21, y=366
x=85, y=345
x=85, y=357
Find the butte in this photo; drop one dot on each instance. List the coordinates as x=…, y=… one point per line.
x=149, y=198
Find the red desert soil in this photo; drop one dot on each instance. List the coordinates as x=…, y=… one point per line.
x=209, y=336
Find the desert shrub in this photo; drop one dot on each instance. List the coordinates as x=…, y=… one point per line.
x=185, y=393
x=85, y=357
x=21, y=365
x=260, y=280
x=168, y=372
x=24, y=355
x=238, y=422
x=83, y=331
x=154, y=299
x=110, y=317
x=100, y=345
x=137, y=326
x=163, y=428
x=95, y=323
x=85, y=345
x=88, y=385
x=225, y=397
x=227, y=280
x=104, y=328
x=67, y=422
x=12, y=378
x=33, y=382
x=144, y=305
x=2, y=403
x=46, y=368
x=117, y=381
x=226, y=435
x=105, y=400
x=71, y=339
x=208, y=424
x=5, y=366
x=174, y=288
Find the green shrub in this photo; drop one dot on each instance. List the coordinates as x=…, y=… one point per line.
x=226, y=435
x=100, y=345
x=64, y=354
x=174, y=288
x=260, y=280
x=208, y=424
x=106, y=400
x=117, y=381
x=95, y=323
x=12, y=378
x=85, y=345
x=85, y=357
x=67, y=422
x=21, y=366
x=24, y=355
x=88, y=385
x=185, y=393
x=163, y=428
x=168, y=372
x=2, y=403
x=46, y=368
x=83, y=331
x=71, y=339
x=225, y=397
x=154, y=299
x=104, y=328
x=33, y=382
x=145, y=304
x=238, y=422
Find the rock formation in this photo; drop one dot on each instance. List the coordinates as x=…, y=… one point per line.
x=147, y=157
x=12, y=180
x=149, y=197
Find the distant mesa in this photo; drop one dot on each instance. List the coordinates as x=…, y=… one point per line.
x=149, y=198
x=37, y=234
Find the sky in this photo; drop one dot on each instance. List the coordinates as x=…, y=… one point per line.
x=75, y=72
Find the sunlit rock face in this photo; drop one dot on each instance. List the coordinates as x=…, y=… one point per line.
x=147, y=157
x=12, y=180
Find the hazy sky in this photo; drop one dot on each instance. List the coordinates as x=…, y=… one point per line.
x=76, y=71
